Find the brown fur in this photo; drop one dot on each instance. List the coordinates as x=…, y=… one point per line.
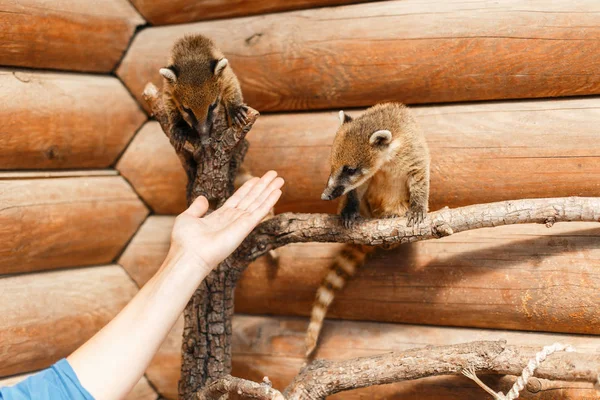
x=391, y=179
x=193, y=59
x=193, y=90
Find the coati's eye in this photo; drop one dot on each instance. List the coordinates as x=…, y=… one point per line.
x=213, y=105
x=349, y=170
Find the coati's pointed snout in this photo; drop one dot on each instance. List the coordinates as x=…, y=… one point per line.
x=331, y=193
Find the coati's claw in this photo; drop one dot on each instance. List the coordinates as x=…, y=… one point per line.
x=178, y=138
x=238, y=115
x=348, y=219
x=391, y=216
x=414, y=217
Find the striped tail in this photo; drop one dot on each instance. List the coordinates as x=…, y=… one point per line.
x=343, y=268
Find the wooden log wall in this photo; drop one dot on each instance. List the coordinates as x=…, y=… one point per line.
x=66, y=214
x=89, y=187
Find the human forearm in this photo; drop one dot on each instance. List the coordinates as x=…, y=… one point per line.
x=111, y=363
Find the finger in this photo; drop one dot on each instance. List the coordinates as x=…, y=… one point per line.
x=198, y=208
x=266, y=206
x=257, y=189
x=242, y=192
x=276, y=184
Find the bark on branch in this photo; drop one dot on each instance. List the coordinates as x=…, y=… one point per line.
x=232, y=386
x=212, y=163
x=323, y=378
x=298, y=228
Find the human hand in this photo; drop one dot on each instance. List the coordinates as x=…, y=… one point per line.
x=213, y=238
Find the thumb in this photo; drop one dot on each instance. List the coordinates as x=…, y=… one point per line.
x=198, y=208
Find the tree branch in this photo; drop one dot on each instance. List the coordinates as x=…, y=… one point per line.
x=323, y=378
x=299, y=228
x=211, y=163
x=236, y=386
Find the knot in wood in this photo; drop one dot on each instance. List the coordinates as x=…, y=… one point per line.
x=441, y=229
x=534, y=385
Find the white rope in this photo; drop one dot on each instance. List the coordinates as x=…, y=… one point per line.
x=519, y=385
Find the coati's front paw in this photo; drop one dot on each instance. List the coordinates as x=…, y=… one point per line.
x=349, y=218
x=178, y=138
x=390, y=216
x=415, y=216
x=238, y=114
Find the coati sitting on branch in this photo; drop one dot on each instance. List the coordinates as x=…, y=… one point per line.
x=380, y=161
x=197, y=79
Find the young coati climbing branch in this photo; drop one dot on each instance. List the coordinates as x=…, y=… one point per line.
x=380, y=162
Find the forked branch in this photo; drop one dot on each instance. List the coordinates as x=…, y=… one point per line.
x=299, y=228
x=324, y=378
x=214, y=161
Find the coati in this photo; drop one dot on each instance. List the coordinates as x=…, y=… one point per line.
x=197, y=79
x=380, y=161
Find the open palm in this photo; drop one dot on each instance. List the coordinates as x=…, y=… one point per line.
x=215, y=236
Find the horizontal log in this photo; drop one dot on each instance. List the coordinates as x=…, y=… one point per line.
x=48, y=315
x=147, y=249
x=406, y=50
x=65, y=222
x=523, y=277
x=12, y=175
x=141, y=391
x=164, y=12
x=163, y=190
x=480, y=153
x=274, y=347
x=64, y=120
x=66, y=35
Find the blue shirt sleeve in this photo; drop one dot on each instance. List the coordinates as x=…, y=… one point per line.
x=58, y=382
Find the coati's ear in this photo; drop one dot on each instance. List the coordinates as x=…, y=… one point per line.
x=380, y=138
x=220, y=66
x=344, y=118
x=169, y=74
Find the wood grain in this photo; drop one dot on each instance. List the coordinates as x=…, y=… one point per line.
x=480, y=153
x=141, y=391
x=65, y=222
x=64, y=120
x=148, y=248
x=524, y=277
x=163, y=189
x=274, y=347
x=45, y=316
x=409, y=50
x=13, y=175
x=164, y=12
x=68, y=35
